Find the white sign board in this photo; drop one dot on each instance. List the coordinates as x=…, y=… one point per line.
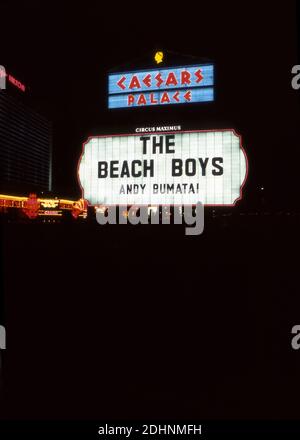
x=175, y=168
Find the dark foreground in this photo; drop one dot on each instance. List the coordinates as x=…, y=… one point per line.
x=143, y=322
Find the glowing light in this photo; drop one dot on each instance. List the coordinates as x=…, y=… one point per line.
x=7, y=197
x=50, y=213
x=31, y=205
x=159, y=57
x=49, y=203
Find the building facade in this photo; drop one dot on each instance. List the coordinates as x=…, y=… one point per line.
x=25, y=146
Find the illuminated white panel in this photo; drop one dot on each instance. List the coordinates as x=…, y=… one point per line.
x=183, y=168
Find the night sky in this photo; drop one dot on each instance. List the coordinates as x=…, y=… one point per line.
x=63, y=54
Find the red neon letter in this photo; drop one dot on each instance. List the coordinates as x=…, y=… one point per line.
x=142, y=100
x=130, y=100
x=171, y=80
x=152, y=99
x=175, y=96
x=185, y=77
x=165, y=98
x=159, y=80
x=147, y=80
x=199, y=76
x=134, y=83
x=120, y=83
x=188, y=96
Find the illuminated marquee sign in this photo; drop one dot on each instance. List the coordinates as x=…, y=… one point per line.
x=178, y=85
x=174, y=168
